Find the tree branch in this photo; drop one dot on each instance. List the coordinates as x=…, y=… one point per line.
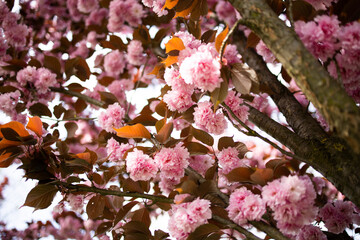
x=236, y=227
x=296, y=115
x=83, y=188
x=325, y=93
x=285, y=133
x=79, y=95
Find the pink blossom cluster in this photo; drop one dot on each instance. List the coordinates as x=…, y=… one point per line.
x=116, y=151
x=320, y=35
x=112, y=117
x=8, y=102
x=339, y=215
x=325, y=38
x=119, y=87
x=201, y=163
x=15, y=34
x=229, y=159
x=348, y=60
x=97, y=16
x=226, y=12
x=234, y=101
x=114, y=63
x=265, y=52
x=135, y=53
x=244, y=206
x=156, y=6
x=172, y=162
x=140, y=166
x=186, y=217
x=87, y=6
x=206, y=119
x=292, y=201
x=202, y=68
x=40, y=78
x=310, y=232
x=76, y=202
x=179, y=97
x=121, y=11
x=321, y=4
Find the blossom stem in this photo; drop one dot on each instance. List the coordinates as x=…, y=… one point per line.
x=223, y=44
x=83, y=188
x=236, y=227
x=253, y=133
x=79, y=95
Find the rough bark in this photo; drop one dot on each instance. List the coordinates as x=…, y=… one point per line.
x=296, y=115
x=325, y=93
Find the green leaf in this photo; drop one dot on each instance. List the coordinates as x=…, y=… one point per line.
x=41, y=196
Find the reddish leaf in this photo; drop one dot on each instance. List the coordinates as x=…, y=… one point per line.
x=252, y=40
x=165, y=132
x=241, y=174
x=243, y=78
x=174, y=43
x=35, y=125
x=71, y=128
x=41, y=196
x=262, y=175
x=202, y=136
x=6, y=158
x=170, y=4
x=39, y=109
x=195, y=148
x=142, y=215
x=135, y=131
x=124, y=211
x=220, y=38
x=53, y=64
x=203, y=231
x=95, y=207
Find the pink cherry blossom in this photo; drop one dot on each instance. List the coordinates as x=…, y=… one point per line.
x=87, y=6
x=202, y=69
x=172, y=161
x=135, y=53
x=244, y=206
x=45, y=80
x=201, y=163
x=112, y=118
x=186, y=217
x=292, y=201
x=116, y=151
x=206, y=119
x=140, y=166
x=310, y=232
x=178, y=100
x=114, y=63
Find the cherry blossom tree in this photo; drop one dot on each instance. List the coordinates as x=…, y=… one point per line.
x=69, y=69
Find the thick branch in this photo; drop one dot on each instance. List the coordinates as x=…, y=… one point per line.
x=296, y=115
x=325, y=93
x=79, y=95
